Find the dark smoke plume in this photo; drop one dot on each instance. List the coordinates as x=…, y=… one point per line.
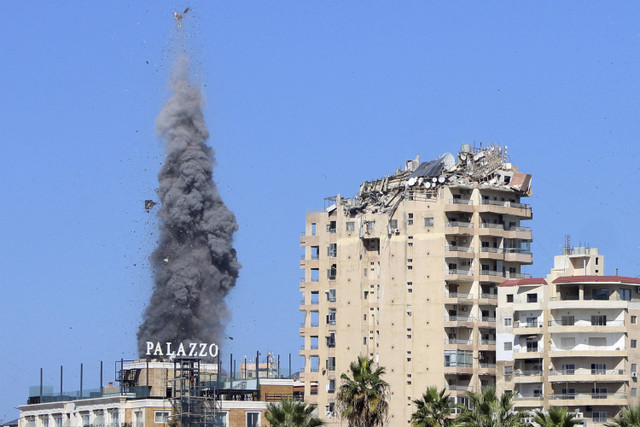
x=194, y=264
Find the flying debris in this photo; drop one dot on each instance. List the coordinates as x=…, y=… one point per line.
x=149, y=204
x=186, y=10
x=178, y=17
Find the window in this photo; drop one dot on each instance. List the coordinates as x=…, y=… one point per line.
x=313, y=229
x=315, y=274
x=85, y=420
x=634, y=392
x=532, y=297
x=634, y=320
x=138, y=419
x=410, y=221
x=599, y=393
x=507, y=321
x=600, y=294
x=625, y=294
x=598, y=369
x=45, y=421
x=331, y=386
x=634, y=367
x=634, y=343
x=253, y=419
x=509, y=297
x=331, y=363
x=331, y=340
x=568, y=369
x=331, y=317
x=371, y=225
x=57, y=420
x=428, y=221
x=508, y=369
x=332, y=250
x=331, y=295
x=508, y=346
x=161, y=417
x=220, y=419
x=331, y=227
x=393, y=224
x=351, y=226
x=598, y=320
x=315, y=297
x=568, y=320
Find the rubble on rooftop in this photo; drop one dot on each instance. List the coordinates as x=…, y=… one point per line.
x=483, y=167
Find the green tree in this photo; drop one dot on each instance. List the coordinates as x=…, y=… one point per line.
x=628, y=417
x=489, y=410
x=433, y=409
x=557, y=417
x=291, y=413
x=362, y=398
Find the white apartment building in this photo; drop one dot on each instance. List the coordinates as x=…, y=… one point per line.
x=570, y=340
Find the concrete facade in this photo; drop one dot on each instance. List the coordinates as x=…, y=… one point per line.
x=406, y=273
x=570, y=340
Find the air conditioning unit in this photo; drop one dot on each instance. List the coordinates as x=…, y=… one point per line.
x=634, y=375
x=397, y=231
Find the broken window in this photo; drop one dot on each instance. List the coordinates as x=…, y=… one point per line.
x=332, y=250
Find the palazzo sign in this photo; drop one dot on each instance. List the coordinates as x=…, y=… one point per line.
x=193, y=349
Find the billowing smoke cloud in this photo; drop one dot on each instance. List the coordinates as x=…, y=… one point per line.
x=194, y=264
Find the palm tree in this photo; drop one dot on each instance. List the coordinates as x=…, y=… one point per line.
x=433, y=409
x=291, y=413
x=557, y=417
x=489, y=410
x=362, y=398
x=629, y=417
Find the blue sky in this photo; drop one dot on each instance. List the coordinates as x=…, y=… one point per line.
x=304, y=100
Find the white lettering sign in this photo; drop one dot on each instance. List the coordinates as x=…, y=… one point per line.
x=193, y=349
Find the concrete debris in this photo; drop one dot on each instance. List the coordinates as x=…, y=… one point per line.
x=149, y=204
x=482, y=167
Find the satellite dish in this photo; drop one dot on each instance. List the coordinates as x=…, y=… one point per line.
x=434, y=179
x=463, y=156
x=441, y=179
x=420, y=180
x=448, y=161
x=412, y=181
x=427, y=184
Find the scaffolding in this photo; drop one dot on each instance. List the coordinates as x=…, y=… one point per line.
x=193, y=396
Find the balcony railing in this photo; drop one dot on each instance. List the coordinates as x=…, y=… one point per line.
x=517, y=251
x=487, y=342
x=585, y=347
x=487, y=319
x=452, y=248
x=505, y=204
x=527, y=397
x=528, y=372
x=491, y=250
x=489, y=296
x=449, y=318
x=522, y=349
x=452, y=271
x=458, y=224
x=587, y=371
x=575, y=396
x=517, y=228
x=458, y=364
x=460, y=201
x=492, y=273
x=586, y=323
x=458, y=295
x=526, y=324
x=490, y=225
x=457, y=387
x=458, y=341
x=487, y=365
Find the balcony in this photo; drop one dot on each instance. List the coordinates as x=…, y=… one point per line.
x=590, y=399
x=461, y=321
x=587, y=375
x=527, y=376
x=527, y=328
x=522, y=352
x=458, y=341
x=488, y=342
x=459, y=274
x=458, y=227
x=584, y=350
x=505, y=207
x=583, y=325
x=458, y=387
x=458, y=368
x=459, y=251
x=573, y=302
x=457, y=296
x=459, y=205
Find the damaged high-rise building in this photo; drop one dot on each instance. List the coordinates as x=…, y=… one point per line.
x=406, y=273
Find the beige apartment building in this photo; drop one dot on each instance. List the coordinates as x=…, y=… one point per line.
x=406, y=273
x=571, y=339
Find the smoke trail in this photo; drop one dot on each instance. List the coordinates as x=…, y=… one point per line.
x=194, y=264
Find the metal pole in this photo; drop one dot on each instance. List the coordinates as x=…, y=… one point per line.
x=245, y=367
x=60, y=380
x=231, y=367
x=290, y=375
x=101, y=376
x=40, y=385
x=257, y=364
x=278, y=366
x=81, y=372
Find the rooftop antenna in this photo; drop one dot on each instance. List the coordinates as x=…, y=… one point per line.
x=567, y=244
